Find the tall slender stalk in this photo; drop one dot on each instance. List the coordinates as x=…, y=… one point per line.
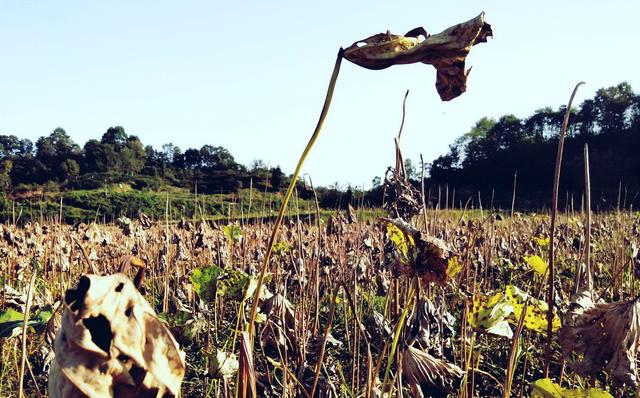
x=587, y=224
x=292, y=185
x=23, y=341
x=283, y=208
x=325, y=337
x=554, y=211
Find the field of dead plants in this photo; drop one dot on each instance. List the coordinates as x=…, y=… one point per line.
x=450, y=304
x=410, y=300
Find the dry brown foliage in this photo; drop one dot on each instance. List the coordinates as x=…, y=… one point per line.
x=111, y=343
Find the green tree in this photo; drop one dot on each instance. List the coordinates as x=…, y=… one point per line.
x=115, y=136
x=612, y=104
x=5, y=177
x=277, y=178
x=69, y=169
x=132, y=156
x=100, y=158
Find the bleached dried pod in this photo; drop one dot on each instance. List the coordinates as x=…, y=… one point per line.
x=605, y=337
x=111, y=344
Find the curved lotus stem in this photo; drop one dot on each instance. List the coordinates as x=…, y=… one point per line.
x=292, y=184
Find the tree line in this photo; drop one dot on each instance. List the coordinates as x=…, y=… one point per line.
x=481, y=165
x=56, y=162
x=486, y=159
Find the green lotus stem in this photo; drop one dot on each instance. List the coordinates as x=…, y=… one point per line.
x=396, y=336
x=292, y=184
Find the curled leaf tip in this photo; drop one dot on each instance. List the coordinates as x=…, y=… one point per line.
x=446, y=51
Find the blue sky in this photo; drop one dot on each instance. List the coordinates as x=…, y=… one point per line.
x=252, y=76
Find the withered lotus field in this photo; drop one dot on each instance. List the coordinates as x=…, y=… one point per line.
x=408, y=300
x=449, y=297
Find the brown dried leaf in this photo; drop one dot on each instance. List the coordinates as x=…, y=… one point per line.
x=427, y=257
x=351, y=215
x=605, y=337
x=446, y=51
x=111, y=343
x=426, y=373
x=279, y=331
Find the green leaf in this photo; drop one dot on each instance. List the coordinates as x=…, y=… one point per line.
x=233, y=233
x=233, y=284
x=205, y=281
x=10, y=315
x=546, y=388
x=11, y=322
x=281, y=248
x=42, y=316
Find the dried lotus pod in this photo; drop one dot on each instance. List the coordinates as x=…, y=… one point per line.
x=111, y=344
x=446, y=51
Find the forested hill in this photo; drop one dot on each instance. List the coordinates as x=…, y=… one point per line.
x=118, y=175
x=481, y=162
x=55, y=163
x=486, y=158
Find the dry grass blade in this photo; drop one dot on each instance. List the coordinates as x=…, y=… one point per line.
x=554, y=211
x=246, y=371
x=323, y=347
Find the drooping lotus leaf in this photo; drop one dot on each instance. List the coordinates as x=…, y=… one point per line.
x=414, y=253
x=446, y=51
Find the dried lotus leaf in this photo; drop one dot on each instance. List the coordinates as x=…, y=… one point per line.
x=111, y=343
x=605, y=337
x=426, y=373
x=446, y=51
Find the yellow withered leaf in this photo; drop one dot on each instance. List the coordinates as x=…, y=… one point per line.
x=488, y=314
x=446, y=51
x=453, y=267
x=536, y=316
x=546, y=388
x=536, y=263
x=401, y=240
x=542, y=241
